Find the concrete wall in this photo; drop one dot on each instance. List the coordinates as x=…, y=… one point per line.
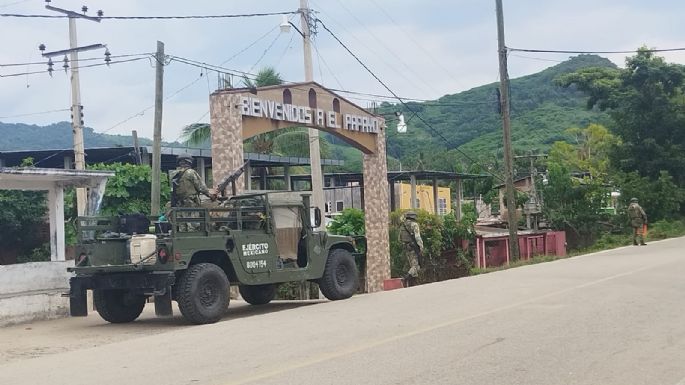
x=32, y=291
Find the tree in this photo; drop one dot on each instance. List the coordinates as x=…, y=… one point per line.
x=574, y=205
x=645, y=100
x=589, y=152
x=199, y=133
x=129, y=190
x=21, y=214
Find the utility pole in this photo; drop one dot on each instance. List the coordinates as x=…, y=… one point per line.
x=157, y=136
x=506, y=132
x=533, y=206
x=314, y=151
x=76, y=107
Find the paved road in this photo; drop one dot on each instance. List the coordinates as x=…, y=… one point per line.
x=616, y=317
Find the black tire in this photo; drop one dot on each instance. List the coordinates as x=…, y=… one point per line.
x=340, y=276
x=202, y=293
x=118, y=306
x=257, y=294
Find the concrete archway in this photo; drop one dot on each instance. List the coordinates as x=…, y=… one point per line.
x=239, y=114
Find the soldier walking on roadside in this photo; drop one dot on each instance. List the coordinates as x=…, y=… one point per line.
x=410, y=235
x=638, y=220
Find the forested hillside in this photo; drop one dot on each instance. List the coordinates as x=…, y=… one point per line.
x=540, y=111
x=470, y=121
x=19, y=136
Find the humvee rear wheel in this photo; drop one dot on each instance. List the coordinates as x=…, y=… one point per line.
x=257, y=294
x=340, y=276
x=202, y=293
x=118, y=306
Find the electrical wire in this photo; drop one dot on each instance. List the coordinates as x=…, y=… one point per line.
x=397, y=57
x=417, y=43
x=34, y=113
x=179, y=17
x=382, y=58
x=250, y=75
x=13, y=3
x=325, y=63
x=428, y=125
x=80, y=67
x=78, y=60
x=142, y=112
x=249, y=46
x=536, y=58
x=592, y=52
x=268, y=48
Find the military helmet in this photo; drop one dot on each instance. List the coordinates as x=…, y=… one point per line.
x=410, y=215
x=184, y=158
x=633, y=200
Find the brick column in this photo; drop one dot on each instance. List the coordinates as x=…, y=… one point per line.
x=227, y=138
x=376, y=217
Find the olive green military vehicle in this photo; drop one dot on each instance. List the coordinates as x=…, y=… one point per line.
x=254, y=241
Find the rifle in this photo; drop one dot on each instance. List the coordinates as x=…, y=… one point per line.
x=231, y=178
x=174, y=185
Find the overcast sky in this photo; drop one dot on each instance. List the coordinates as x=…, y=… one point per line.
x=420, y=48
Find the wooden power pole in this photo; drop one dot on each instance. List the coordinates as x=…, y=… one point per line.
x=506, y=132
x=157, y=136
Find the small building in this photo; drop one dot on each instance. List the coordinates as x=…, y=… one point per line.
x=492, y=245
x=424, y=198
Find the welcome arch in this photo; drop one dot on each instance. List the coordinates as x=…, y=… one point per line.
x=239, y=114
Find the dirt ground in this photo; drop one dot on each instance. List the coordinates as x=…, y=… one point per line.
x=42, y=338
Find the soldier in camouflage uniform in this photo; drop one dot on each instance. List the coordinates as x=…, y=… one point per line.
x=186, y=187
x=638, y=219
x=410, y=235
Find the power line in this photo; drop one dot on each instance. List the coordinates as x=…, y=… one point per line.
x=268, y=48
x=417, y=43
x=438, y=133
x=178, y=17
x=325, y=63
x=13, y=3
x=381, y=58
x=142, y=112
x=80, y=67
x=250, y=75
x=34, y=113
x=593, y=52
x=79, y=60
x=537, y=58
x=249, y=46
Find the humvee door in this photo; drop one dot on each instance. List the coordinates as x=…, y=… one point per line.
x=253, y=237
x=289, y=229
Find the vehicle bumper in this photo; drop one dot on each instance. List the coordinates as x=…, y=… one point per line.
x=156, y=283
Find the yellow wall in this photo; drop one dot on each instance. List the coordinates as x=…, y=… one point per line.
x=424, y=193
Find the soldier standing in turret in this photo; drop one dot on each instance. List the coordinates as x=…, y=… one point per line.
x=410, y=235
x=186, y=187
x=638, y=219
x=187, y=184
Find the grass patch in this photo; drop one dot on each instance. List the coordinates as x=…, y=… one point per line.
x=656, y=231
x=521, y=262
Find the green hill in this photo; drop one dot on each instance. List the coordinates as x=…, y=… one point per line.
x=20, y=136
x=468, y=121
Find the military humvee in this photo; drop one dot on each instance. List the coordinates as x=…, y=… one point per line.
x=254, y=241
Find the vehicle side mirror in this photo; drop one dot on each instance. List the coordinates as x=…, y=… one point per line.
x=316, y=215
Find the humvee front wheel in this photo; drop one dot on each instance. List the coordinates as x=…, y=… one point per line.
x=340, y=276
x=202, y=293
x=118, y=306
x=257, y=294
